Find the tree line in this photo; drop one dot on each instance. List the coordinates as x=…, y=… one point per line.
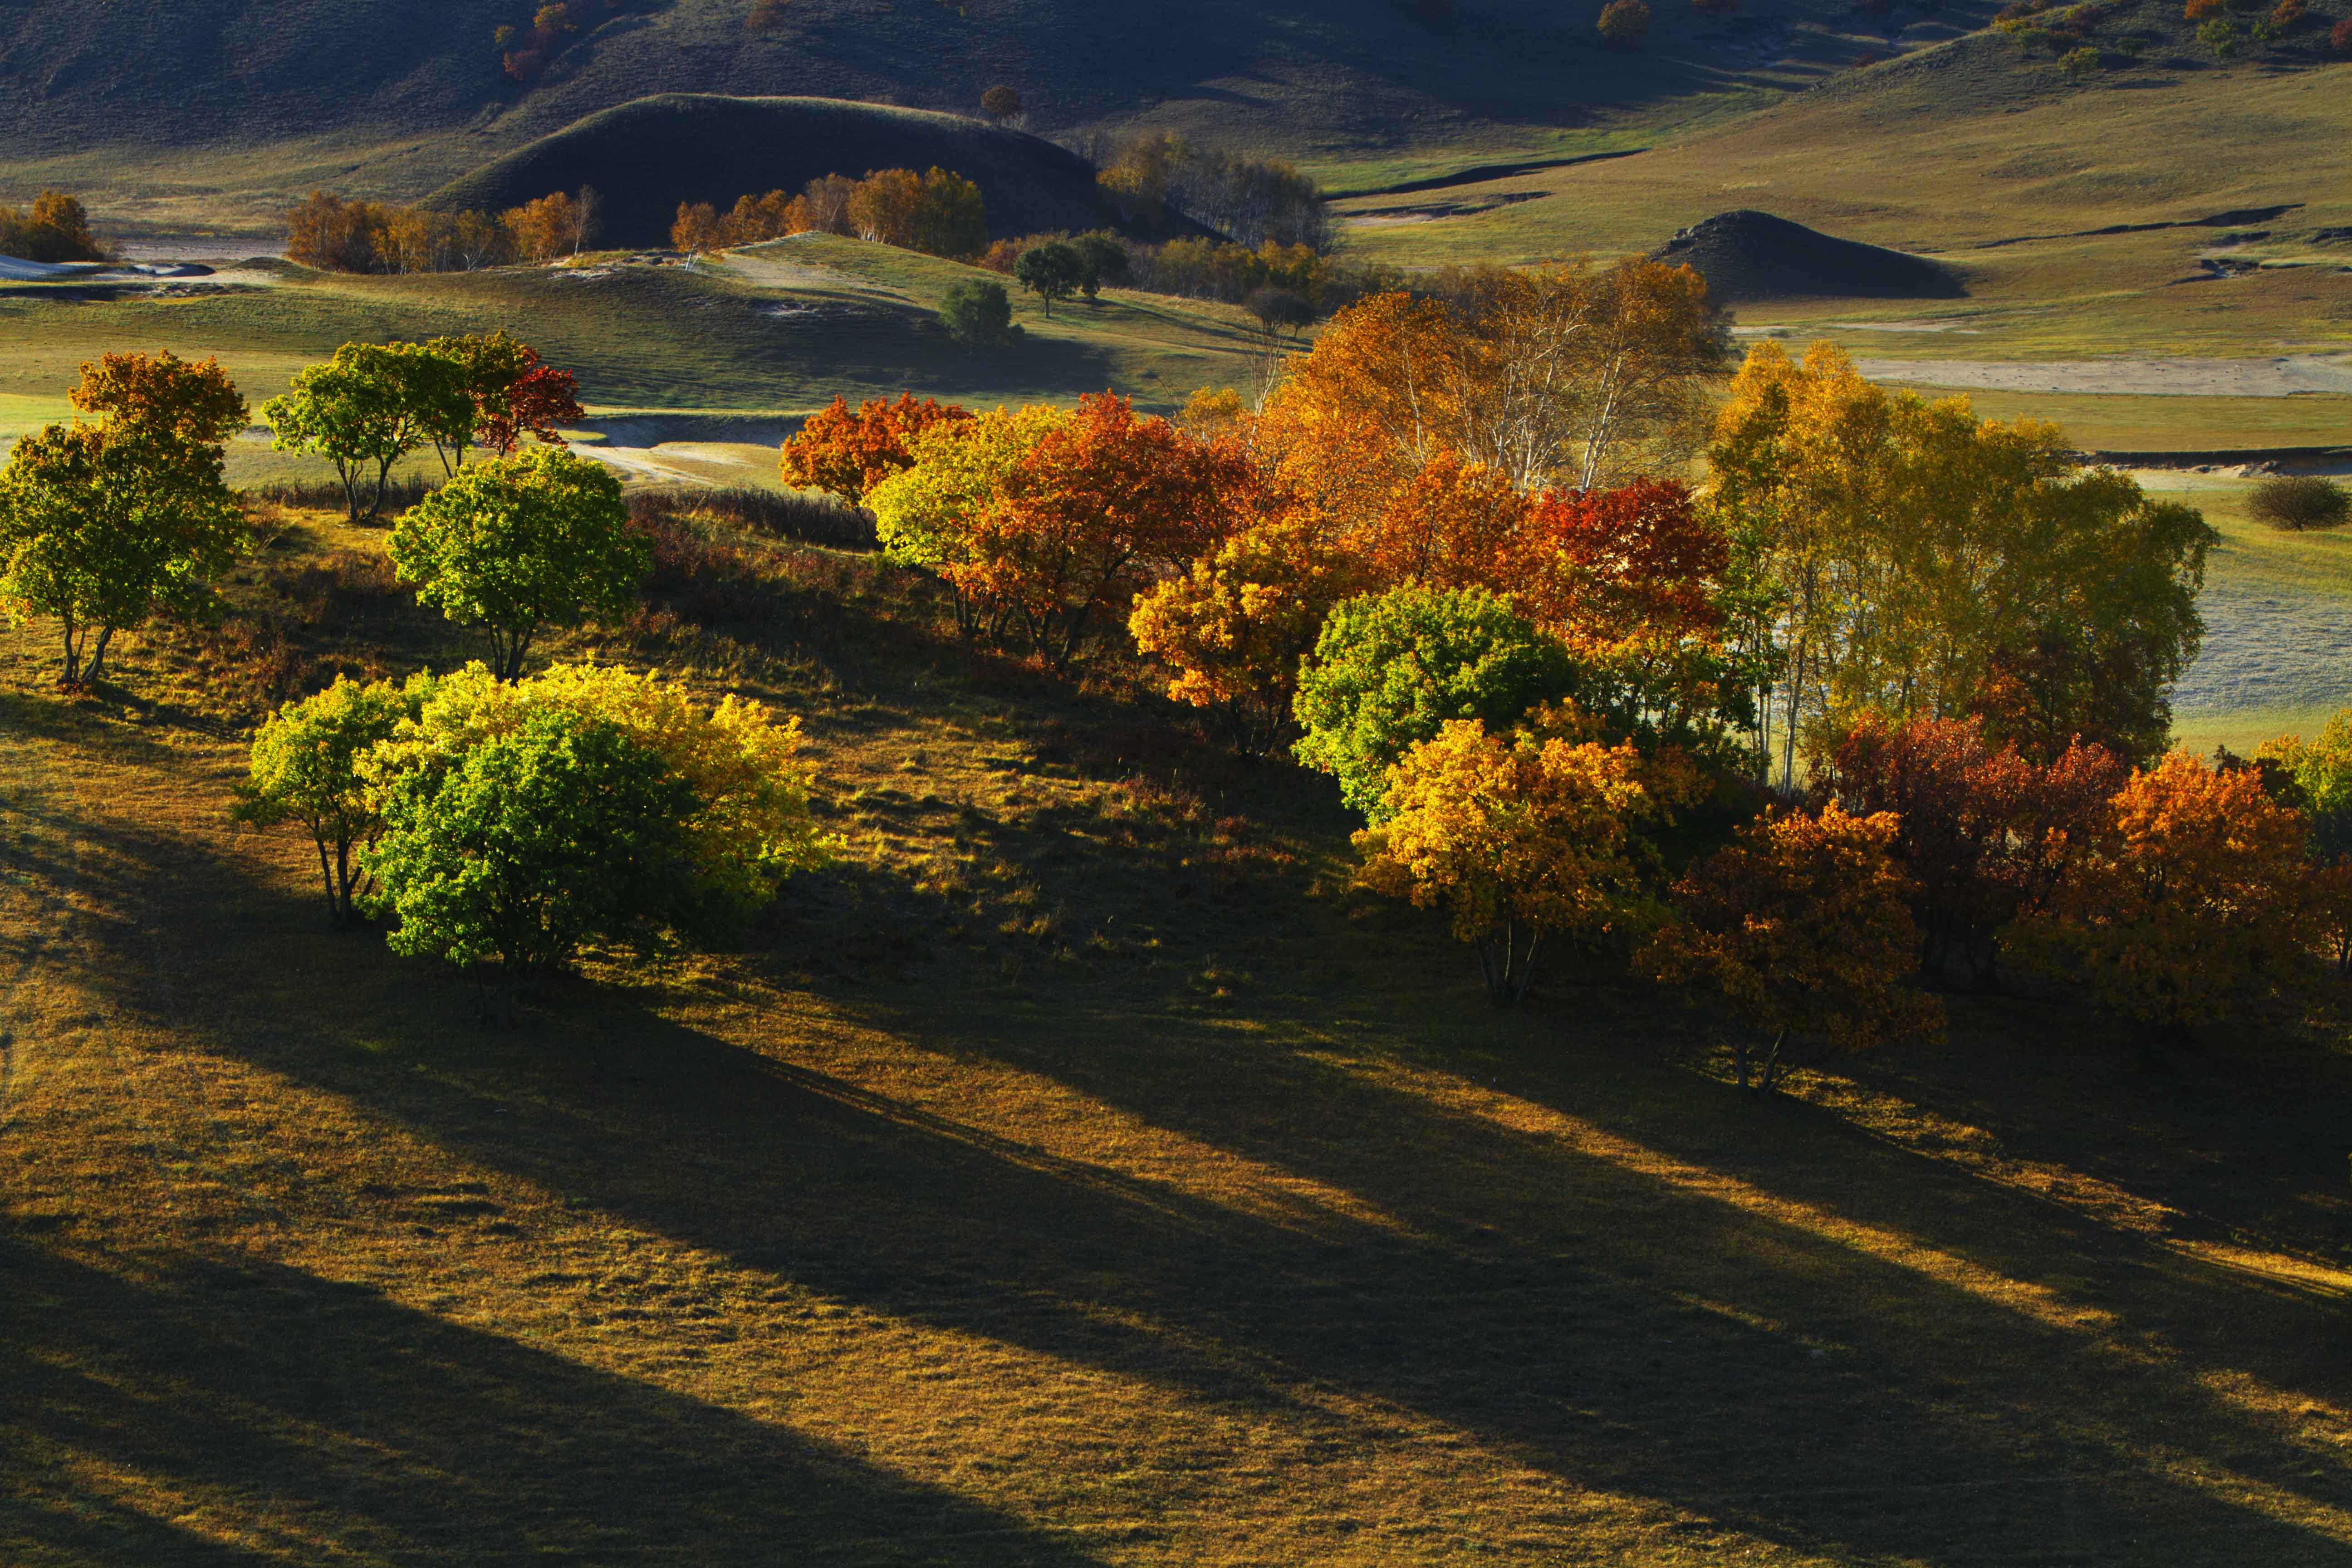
x=1905, y=666
x=938, y=212
x=336, y=235
x=54, y=228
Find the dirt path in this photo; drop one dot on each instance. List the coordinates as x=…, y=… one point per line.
x=2278, y=377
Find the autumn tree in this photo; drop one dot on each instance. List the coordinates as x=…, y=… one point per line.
x=306, y=767
x=931, y=513
x=1000, y=102
x=848, y=452
x=1053, y=270
x=1801, y=928
x=518, y=543
x=939, y=212
x=2185, y=898
x=1921, y=560
x=1522, y=837
x=748, y=826
x=1984, y=834
x=334, y=234
x=55, y=228
x=2319, y=773
x=556, y=225
x=367, y=408
x=1389, y=669
x=698, y=229
x=1088, y=517
x=105, y=521
x=510, y=392
x=1625, y=22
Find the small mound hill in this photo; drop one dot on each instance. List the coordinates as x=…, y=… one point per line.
x=1749, y=255
x=646, y=157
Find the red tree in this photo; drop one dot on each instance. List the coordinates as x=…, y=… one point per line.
x=849, y=452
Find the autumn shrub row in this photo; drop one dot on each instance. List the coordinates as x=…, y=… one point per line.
x=328, y=232
x=54, y=228
x=938, y=212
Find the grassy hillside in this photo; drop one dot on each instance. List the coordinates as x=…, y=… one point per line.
x=778, y=329
x=646, y=157
x=1082, y=1175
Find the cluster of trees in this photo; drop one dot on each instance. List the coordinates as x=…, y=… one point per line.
x=525, y=53
x=124, y=513
x=340, y=235
x=519, y=821
x=54, y=228
x=938, y=212
x=374, y=404
x=1252, y=200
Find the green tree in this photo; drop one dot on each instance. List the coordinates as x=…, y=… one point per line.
x=976, y=313
x=563, y=832
x=1053, y=270
x=307, y=768
x=1104, y=259
x=487, y=365
x=1389, y=669
x=367, y=408
x=102, y=523
x=538, y=539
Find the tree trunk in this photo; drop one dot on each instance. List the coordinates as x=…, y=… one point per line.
x=98, y=657
x=326, y=875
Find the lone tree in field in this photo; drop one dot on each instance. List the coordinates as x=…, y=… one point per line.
x=1279, y=310
x=1001, y=104
x=2300, y=501
x=1053, y=270
x=107, y=520
x=367, y=408
x=306, y=768
x=976, y=313
x=542, y=538
x=1802, y=930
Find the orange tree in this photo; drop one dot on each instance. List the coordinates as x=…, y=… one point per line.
x=1985, y=833
x=1802, y=928
x=1089, y=516
x=1524, y=836
x=2187, y=894
x=848, y=453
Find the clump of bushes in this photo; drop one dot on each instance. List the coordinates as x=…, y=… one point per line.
x=2300, y=502
x=54, y=228
x=1625, y=22
x=939, y=212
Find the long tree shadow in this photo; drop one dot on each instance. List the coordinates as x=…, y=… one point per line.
x=183, y=1385
x=1581, y=1313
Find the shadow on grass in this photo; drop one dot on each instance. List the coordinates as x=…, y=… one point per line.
x=1752, y=1363
x=375, y=1432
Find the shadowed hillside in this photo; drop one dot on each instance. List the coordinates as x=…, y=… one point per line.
x=646, y=157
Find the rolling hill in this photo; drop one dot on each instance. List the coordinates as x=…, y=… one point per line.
x=646, y=156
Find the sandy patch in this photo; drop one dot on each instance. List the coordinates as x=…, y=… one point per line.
x=2279, y=377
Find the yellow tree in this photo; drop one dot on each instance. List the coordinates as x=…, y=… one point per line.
x=932, y=514
x=1525, y=836
x=1803, y=929
x=2190, y=894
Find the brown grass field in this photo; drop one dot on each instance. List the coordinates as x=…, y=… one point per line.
x=1083, y=1172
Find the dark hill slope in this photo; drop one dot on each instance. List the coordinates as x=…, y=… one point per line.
x=646, y=157
x=1300, y=73
x=1749, y=255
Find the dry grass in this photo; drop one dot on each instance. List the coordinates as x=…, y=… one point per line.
x=1080, y=1174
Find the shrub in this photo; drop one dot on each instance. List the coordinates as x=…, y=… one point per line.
x=2300, y=501
x=2081, y=64
x=1389, y=669
x=1802, y=928
x=306, y=768
x=2339, y=37
x=1625, y=22
x=746, y=825
x=2202, y=10
x=1522, y=837
x=976, y=313
x=1000, y=102
x=520, y=543
x=563, y=832
x=2220, y=36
